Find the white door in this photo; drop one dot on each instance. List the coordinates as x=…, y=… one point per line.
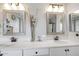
x=9, y=52
x=74, y=51
x=42, y=52
x=60, y=51
x=28, y=52
x=36, y=52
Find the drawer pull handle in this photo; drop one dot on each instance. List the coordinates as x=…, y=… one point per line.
x=36, y=52
x=66, y=50
x=1, y=54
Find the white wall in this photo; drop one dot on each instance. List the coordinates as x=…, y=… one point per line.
x=20, y=38
x=39, y=11
x=70, y=8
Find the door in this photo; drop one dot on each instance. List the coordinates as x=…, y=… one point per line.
x=73, y=51
x=42, y=52
x=11, y=52
x=59, y=51
x=28, y=52
x=36, y=52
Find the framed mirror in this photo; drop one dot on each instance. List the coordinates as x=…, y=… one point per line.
x=74, y=22
x=14, y=22
x=55, y=23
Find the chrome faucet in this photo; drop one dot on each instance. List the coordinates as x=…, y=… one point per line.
x=56, y=38
x=13, y=39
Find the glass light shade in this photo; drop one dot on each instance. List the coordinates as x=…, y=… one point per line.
x=7, y=6
x=61, y=9
x=55, y=8
x=49, y=9
x=14, y=7
x=20, y=7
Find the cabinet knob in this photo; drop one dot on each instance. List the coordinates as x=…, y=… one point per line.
x=1, y=54
x=66, y=50
x=36, y=52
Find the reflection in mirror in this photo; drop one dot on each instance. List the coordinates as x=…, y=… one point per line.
x=74, y=22
x=14, y=22
x=55, y=22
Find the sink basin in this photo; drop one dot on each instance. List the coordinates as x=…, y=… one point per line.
x=6, y=44
x=61, y=41
x=75, y=40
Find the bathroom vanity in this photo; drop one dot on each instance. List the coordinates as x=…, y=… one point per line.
x=26, y=28
x=44, y=48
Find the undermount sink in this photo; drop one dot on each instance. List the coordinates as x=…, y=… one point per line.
x=75, y=40
x=7, y=44
x=61, y=41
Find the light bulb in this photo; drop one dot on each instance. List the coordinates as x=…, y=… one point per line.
x=14, y=7
x=7, y=6
x=61, y=9
x=55, y=9
x=50, y=9
x=20, y=7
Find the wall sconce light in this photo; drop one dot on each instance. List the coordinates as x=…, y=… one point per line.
x=55, y=8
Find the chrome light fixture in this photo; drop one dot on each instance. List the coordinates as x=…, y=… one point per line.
x=14, y=6
x=55, y=8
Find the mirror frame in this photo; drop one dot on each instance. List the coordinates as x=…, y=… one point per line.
x=53, y=33
x=24, y=19
x=70, y=26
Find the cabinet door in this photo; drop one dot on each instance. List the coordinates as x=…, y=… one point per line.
x=60, y=51
x=74, y=51
x=11, y=52
x=28, y=52
x=36, y=52
x=42, y=52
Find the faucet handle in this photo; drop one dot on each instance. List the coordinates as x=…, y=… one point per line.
x=56, y=38
x=13, y=39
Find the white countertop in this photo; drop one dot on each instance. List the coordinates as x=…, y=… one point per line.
x=41, y=44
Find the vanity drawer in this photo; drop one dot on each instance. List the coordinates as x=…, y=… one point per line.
x=11, y=52
x=28, y=52
x=42, y=52
x=36, y=52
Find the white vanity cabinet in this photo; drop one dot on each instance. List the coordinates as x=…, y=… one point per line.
x=36, y=52
x=25, y=52
x=64, y=51
x=59, y=51
x=74, y=51
x=10, y=52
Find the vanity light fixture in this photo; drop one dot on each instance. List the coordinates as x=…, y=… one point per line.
x=55, y=8
x=50, y=9
x=14, y=6
x=7, y=6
